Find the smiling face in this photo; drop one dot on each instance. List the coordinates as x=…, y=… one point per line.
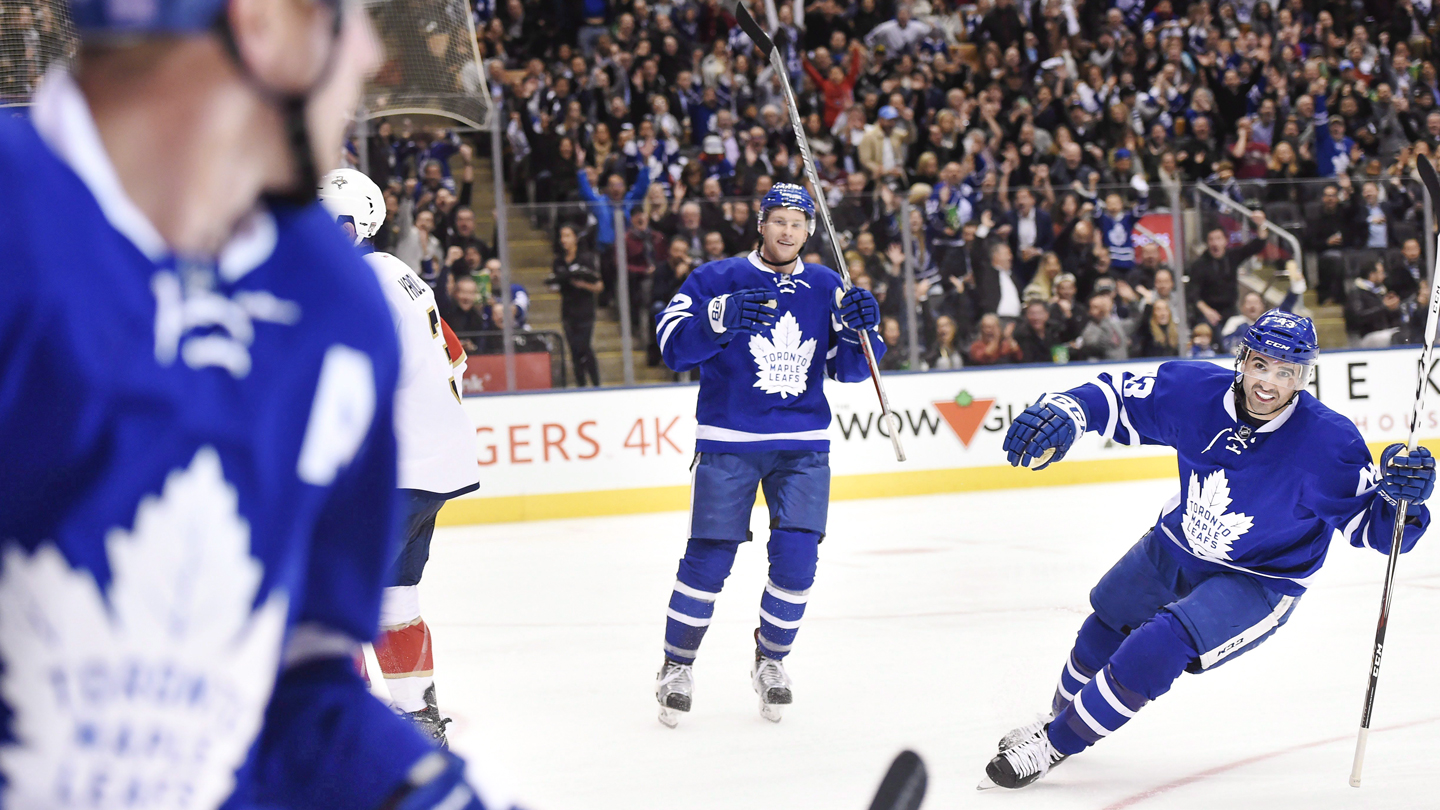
x=1269, y=384
x=783, y=234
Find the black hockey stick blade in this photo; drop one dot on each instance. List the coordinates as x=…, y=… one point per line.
x=903, y=787
x=1431, y=181
x=753, y=30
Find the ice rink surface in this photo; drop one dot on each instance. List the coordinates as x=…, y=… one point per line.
x=936, y=623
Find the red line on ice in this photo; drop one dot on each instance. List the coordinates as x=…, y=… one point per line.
x=1145, y=795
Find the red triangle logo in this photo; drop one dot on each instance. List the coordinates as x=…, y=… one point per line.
x=965, y=420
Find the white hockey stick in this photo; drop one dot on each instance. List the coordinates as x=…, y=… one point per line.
x=1432, y=188
x=822, y=208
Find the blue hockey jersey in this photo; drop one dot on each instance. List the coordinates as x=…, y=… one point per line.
x=764, y=392
x=1264, y=500
x=1118, y=235
x=197, y=483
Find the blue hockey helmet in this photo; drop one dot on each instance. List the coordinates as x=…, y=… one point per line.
x=1284, y=337
x=129, y=18
x=789, y=195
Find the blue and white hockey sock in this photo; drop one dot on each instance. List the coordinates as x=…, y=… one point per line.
x=1143, y=669
x=780, y=613
x=702, y=574
x=1072, y=679
x=793, y=556
x=687, y=619
x=1094, y=645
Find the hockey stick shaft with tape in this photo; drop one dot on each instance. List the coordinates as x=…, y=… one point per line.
x=1432, y=188
x=822, y=208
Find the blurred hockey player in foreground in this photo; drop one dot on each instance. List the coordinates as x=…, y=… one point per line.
x=765, y=330
x=435, y=443
x=197, y=457
x=1268, y=475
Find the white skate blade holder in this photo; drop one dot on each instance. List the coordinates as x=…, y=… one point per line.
x=986, y=784
x=669, y=716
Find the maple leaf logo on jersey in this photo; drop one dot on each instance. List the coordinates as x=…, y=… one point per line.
x=149, y=695
x=783, y=361
x=1208, y=526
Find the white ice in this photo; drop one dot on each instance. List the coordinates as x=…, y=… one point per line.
x=936, y=623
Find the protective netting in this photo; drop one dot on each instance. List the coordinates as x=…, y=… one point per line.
x=432, y=65
x=33, y=34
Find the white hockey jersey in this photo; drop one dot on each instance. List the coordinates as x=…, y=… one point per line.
x=436, y=442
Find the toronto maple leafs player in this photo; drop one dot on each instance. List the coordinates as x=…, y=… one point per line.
x=765, y=330
x=1268, y=476
x=197, y=459
x=435, y=442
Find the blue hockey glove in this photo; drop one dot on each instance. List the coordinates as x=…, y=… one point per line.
x=740, y=313
x=856, y=308
x=1050, y=424
x=1410, y=478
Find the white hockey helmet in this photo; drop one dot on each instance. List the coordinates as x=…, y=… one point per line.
x=352, y=197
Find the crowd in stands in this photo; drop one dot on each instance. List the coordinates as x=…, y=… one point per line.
x=1024, y=138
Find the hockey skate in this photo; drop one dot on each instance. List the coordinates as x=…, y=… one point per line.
x=772, y=685
x=1025, y=732
x=429, y=721
x=1019, y=766
x=673, y=687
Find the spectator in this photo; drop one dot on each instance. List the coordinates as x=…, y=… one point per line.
x=896, y=357
x=1037, y=336
x=1286, y=173
x=1373, y=218
x=1405, y=274
x=1042, y=286
x=1158, y=336
x=418, y=246
x=466, y=314
x=1372, y=313
x=1252, y=306
x=462, y=232
x=1030, y=232
x=944, y=355
x=1413, y=315
x=995, y=284
x=604, y=208
x=1064, y=311
x=995, y=344
x=1327, y=235
x=1102, y=338
x=576, y=276
x=1202, y=342
x=1214, y=277
x=714, y=245
x=644, y=249
x=882, y=150
x=691, y=230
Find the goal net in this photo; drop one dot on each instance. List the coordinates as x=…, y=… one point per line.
x=33, y=35
x=431, y=64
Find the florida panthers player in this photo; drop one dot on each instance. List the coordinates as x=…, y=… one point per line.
x=1268, y=476
x=766, y=330
x=434, y=439
x=197, y=460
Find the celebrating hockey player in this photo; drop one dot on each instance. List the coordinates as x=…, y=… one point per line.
x=754, y=325
x=197, y=458
x=435, y=443
x=1268, y=475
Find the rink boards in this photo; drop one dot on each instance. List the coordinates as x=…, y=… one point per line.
x=629, y=450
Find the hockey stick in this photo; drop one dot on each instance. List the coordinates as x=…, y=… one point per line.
x=822, y=208
x=903, y=787
x=1432, y=188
